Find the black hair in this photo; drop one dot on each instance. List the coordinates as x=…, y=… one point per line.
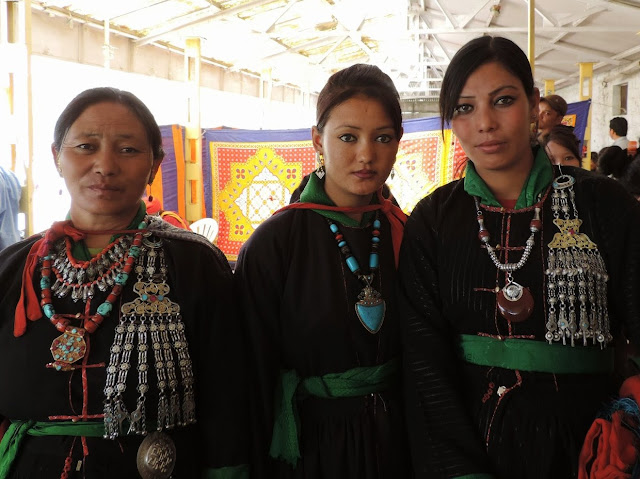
x=359, y=79
x=563, y=135
x=613, y=161
x=93, y=96
x=619, y=126
x=474, y=54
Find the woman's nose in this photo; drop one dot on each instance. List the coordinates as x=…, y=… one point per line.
x=106, y=162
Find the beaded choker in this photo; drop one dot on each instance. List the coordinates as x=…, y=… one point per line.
x=111, y=267
x=515, y=302
x=370, y=308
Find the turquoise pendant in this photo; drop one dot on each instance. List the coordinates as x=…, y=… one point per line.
x=370, y=309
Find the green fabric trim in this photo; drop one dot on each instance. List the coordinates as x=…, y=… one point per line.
x=314, y=193
x=80, y=251
x=537, y=182
x=231, y=472
x=18, y=430
x=529, y=355
x=351, y=383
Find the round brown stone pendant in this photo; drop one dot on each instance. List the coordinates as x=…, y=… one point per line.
x=156, y=456
x=515, y=302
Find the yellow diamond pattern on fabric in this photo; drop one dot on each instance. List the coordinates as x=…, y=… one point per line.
x=258, y=187
x=422, y=164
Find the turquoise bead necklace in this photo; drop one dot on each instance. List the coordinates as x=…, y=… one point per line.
x=370, y=308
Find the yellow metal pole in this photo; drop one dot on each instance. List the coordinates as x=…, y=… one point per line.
x=193, y=143
x=18, y=42
x=549, y=87
x=531, y=38
x=586, y=76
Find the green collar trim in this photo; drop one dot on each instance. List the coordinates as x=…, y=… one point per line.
x=80, y=251
x=537, y=182
x=314, y=193
x=538, y=356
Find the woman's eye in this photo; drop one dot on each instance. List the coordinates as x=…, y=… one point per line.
x=504, y=100
x=347, y=137
x=129, y=149
x=462, y=109
x=384, y=138
x=85, y=146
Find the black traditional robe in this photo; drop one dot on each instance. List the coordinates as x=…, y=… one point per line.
x=476, y=421
x=299, y=307
x=201, y=283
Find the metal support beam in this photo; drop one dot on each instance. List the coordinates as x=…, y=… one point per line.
x=549, y=87
x=586, y=77
x=15, y=45
x=531, y=35
x=193, y=137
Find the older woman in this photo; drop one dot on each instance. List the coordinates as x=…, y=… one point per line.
x=515, y=284
x=111, y=363
x=317, y=286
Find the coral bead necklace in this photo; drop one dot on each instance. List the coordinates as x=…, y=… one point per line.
x=70, y=347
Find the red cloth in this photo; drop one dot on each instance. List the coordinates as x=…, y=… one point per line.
x=29, y=303
x=153, y=205
x=395, y=215
x=174, y=219
x=611, y=449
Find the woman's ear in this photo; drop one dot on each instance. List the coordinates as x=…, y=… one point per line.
x=56, y=159
x=154, y=169
x=316, y=139
x=534, y=102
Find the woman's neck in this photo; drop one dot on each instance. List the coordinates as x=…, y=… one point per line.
x=507, y=184
x=105, y=225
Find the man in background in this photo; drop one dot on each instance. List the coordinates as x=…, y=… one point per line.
x=10, y=191
x=551, y=111
x=618, y=132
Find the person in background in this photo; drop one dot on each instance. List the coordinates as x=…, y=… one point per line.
x=594, y=160
x=119, y=352
x=317, y=288
x=618, y=132
x=10, y=192
x=551, y=111
x=613, y=162
x=154, y=207
x=562, y=147
x=514, y=285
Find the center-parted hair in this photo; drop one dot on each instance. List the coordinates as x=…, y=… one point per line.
x=93, y=96
x=473, y=55
x=359, y=79
x=564, y=136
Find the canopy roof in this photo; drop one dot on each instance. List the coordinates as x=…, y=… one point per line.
x=301, y=42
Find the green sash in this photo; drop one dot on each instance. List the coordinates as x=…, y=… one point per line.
x=18, y=430
x=539, y=356
x=351, y=383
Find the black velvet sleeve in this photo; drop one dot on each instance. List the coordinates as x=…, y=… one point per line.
x=444, y=442
x=614, y=216
x=259, y=277
x=204, y=283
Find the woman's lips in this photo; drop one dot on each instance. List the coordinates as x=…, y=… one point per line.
x=490, y=147
x=365, y=174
